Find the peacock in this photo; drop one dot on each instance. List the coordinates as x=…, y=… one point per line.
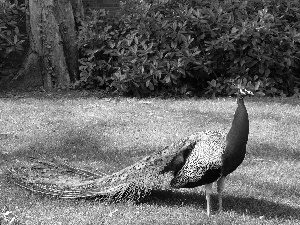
x=200, y=159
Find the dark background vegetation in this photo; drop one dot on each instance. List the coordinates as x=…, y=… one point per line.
x=179, y=47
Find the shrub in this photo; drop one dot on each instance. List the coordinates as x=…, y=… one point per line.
x=185, y=45
x=264, y=50
x=138, y=52
x=13, y=37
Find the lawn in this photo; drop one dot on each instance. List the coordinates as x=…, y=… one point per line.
x=105, y=134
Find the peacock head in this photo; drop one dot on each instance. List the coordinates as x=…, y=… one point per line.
x=242, y=92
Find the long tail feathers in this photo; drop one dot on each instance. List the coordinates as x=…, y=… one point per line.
x=134, y=182
x=61, y=180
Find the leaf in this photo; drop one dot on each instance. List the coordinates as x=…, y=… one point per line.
x=100, y=80
x=288, y=61
x=205, y=69
x=136, y=40
x=174, y=76
x=182, y=71
x=15, y=39
x=261, y=69
x=274, y=90
x=213, y=83
x=9, y=50
x=168, y=78
x=202, y=36
x=234, y=30
x=244, y=81
x=144, y=45
x=111, y=44
x=174, y=25
x=236, y=60
x=173, y=44
x=149, y=85
x=196, y=53
x=257, y=84
x=260, y=93
x=267, y=72
x=245, y=46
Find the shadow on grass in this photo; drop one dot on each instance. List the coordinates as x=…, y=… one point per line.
x=75, y=146
x=90, y=144
x=239, y=204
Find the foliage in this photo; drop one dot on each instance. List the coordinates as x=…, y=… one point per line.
x=199, y=46
x=13, y=36
x=263, y=51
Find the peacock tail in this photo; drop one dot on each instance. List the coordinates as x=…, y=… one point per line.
x=133, y=182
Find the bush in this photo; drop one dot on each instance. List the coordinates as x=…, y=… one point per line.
x=13, y=37
x=178, y=46
x=263, y=51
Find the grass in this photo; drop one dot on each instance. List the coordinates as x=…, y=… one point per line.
x=100, y=134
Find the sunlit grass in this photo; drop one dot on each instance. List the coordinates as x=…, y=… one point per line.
x=108, y=135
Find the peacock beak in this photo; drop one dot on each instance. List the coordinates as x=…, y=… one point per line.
x=250, y=92
x=247, y=92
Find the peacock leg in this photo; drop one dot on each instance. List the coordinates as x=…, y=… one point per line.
x=220, y=189
x=208, y=191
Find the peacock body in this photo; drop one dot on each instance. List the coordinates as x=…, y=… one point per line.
x=200, y=159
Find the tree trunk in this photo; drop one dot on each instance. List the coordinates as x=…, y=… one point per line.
x=52, y=59
x=78, y=11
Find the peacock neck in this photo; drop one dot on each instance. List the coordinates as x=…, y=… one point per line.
x=236, y=140
x=239, y=130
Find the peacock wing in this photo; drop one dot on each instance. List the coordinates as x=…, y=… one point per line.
x=203, y=165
